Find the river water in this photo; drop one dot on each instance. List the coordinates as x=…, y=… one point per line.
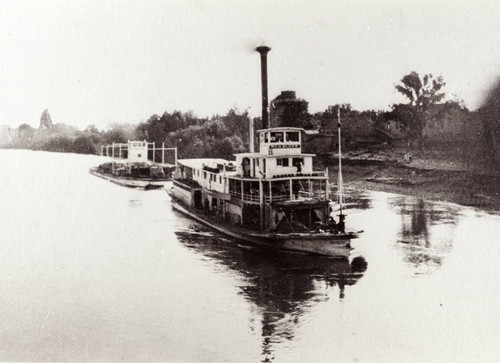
x=91, y=271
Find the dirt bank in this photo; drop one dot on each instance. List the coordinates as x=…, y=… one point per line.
x=429, y=179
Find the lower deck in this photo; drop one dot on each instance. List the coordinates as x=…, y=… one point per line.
x=301, y=215
x=316, y=242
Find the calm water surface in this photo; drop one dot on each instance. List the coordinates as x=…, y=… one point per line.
x=93, y=271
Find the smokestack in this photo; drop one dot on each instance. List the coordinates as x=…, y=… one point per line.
x=263, y=50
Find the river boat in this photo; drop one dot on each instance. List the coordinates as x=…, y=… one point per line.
x=273, y=197
x=131, y=167
x=132, y=175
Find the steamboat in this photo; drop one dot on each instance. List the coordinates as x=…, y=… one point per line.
x=272, y=197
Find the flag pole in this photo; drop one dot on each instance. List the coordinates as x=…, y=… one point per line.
x=340, y=181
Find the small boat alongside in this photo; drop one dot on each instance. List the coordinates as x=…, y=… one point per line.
x=132, y=175
x=135, y=171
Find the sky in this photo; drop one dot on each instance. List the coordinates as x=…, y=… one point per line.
x=104, y=62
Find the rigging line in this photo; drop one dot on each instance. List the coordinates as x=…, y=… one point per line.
x=340, y=181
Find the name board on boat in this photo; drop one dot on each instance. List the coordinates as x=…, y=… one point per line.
x=285, y=146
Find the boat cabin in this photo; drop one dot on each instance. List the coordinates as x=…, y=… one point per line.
x=137, y=151
x=280, y=154
x=274, y=189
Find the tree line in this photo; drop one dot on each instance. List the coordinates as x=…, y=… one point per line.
x=223, y=135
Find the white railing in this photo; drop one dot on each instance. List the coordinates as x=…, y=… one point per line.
x=246, y=197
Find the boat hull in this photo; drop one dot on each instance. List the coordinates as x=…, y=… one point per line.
x=144, y=183
x=326, y=244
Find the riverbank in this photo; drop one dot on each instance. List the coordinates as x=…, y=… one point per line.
x=433, y=179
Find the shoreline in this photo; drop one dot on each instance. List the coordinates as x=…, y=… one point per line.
x=457, y=186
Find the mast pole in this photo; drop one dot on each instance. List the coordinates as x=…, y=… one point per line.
x=340, y=181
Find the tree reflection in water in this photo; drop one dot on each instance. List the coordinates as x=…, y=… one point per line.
x=424, y=244
x=281, y=287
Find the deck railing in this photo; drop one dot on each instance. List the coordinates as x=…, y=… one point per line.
x=319, y=195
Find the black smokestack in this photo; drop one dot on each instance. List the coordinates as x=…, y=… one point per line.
x=263, y=50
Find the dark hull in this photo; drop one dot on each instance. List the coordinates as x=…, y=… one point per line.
x=327, y=244
x=142, y=183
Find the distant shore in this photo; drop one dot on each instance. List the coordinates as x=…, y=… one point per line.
x=429, y=179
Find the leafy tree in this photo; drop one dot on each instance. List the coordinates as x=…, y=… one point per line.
x=94, y=134
x=377, y=117
x=25, y=136
x=58, y=143
x=328, y=119
x=84, y=145
x=119, y=134
x=221, y=136
x=45, y=121
x=91, y=129
x=237, y=124
x=156, y=128
x=404, y=114
x=61, y=129
x=423, y=94
x=229, y=146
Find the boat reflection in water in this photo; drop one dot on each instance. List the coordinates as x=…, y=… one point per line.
x=281, y=287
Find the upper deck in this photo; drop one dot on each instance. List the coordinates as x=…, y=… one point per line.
x=280, y=141
x=279, y=156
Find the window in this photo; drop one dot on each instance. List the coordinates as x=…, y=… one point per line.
x=292, y=136
x=276, y=136
x=204, y=175
x=283, y=161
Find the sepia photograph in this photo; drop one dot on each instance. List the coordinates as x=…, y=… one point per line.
x=249, y=181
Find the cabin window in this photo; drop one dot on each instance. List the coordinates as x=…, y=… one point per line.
x=292, y=136
x=276, y=136
x=235, y=187
x=138, y=155
x=283, y=161
x=204, y=175
x=299, y=163
x=266, y=137
x=220, y=179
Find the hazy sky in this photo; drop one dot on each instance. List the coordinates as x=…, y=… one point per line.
x=99, y=62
